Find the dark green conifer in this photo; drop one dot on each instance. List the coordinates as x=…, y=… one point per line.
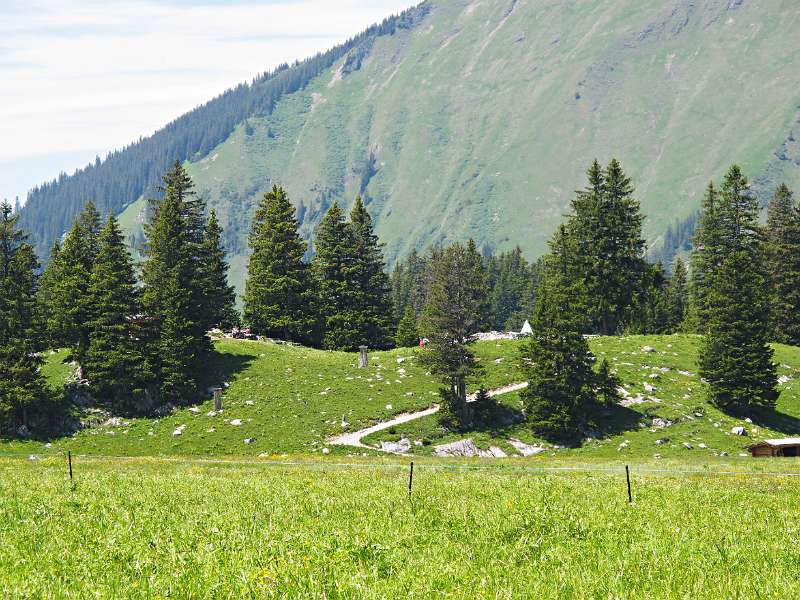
x=707, y=254
x=219, y=296
x=371, y=290
x=783, y=257
x=456, y=299
x=26, y=405
x=736, y=360
x=560, y=398
x=677, y=295
x=278, y=301
x=70, y=303
x=334, y=270
x=172, y=298
x=407, y=335
x=116, y=363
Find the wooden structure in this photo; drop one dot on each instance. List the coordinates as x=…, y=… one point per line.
x=787, y=447
x=363, y=357
x=217, y=391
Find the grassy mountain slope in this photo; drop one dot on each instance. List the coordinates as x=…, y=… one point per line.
x=292, y=399
x=481, y=119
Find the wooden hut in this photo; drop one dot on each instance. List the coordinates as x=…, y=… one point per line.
x=780, y=447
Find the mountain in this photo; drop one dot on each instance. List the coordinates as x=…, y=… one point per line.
x=479, y=117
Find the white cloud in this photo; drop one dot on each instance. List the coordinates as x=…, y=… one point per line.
x=90, y=76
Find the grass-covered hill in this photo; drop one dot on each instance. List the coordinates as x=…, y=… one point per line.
x=284, y=399
x=478, y=118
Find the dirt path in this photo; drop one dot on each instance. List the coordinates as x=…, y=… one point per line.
x=354, y=438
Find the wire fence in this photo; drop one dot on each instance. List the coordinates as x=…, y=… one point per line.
x=428, y=465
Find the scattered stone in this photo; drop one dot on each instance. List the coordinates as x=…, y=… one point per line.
x=249, y=402
x=661, y=423
x=418, y=442
x=744, y=454
x=638, y=399
x=739, y=430
x=723, y=453
x=33, y=457
x=784, y=379
x=263, y=455
x=467, y=448
x=178, y=430
x=236, y=422
x=328, y=451
x=398, y=447
x=661, y=441
x=211, y=413
x=194, y=409
x=748, y=420
x=648, y=388
x=656, y=456
x=702, y=446
x=687, y=445
x=648, y=349
x=48, y=445
x=525, y=449
x=211, y=430
x=249, y=440
x=401, y=360
x=388, y=407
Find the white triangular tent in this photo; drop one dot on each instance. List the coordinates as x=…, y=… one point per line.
x=526, y=329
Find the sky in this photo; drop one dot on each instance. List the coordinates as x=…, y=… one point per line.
x=79, y=78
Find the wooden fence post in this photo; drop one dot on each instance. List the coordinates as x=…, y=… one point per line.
x=363, y=358
x=628, y=477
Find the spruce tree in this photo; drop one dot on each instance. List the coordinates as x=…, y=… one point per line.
x=26, y=405
x=707, y=254
x=607, y=227
x=219, y=297
x=371, y=289
x=70, y=303
x=783, y=256
x=560, y=398
x=455, y=310
x=736, y=360
x=116, y=363
x=407, y=334
x=172, y=296
x=46, y=296
x=334, y=268
x=677, y=295
x=278, y=301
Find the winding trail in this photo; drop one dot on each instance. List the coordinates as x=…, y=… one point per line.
x=354, y=438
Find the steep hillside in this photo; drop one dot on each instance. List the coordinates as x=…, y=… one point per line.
x=284, y=399
x=479, y=117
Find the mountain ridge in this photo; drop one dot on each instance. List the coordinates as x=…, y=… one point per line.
x=477, y=118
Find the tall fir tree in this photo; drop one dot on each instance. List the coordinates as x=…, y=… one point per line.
x=219, y=297
x=407, y=283
x=371, y=289
x=706, y=256
x=677, y=295
x=560, y=398
x=455, y=310
x=607, y=226
x=172, y=296
x=116, y=362
x=69, y=300
x=736, y=360
x=407, y=335
x=26, y=404
x=334, y=268
x=278, y=299
x=783, y=257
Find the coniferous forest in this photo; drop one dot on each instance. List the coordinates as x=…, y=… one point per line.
x=139, y=332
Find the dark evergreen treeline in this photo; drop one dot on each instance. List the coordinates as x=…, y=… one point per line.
x=141, y=339
x=135, y=171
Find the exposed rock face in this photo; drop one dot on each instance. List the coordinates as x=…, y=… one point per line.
x=467, y=448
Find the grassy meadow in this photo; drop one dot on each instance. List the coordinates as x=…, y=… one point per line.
x=198, y=528
x=283, y=399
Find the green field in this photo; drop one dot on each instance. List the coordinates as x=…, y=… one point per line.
x=291, y=400
x=190, y=528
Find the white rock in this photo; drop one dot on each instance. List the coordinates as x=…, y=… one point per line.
x=647, y=387
x=211, y=413
x=739, y=430
x=400, y=361
x=211, y=430
x=660, y=442
x=784, y=379
x=236, y=422
x=388, y=407
x=249, y=440
x=648, y=349
x=723, y=453
x=33, y=457
x=525, y=449
x=249, y=402
x=748, y=420
x=398, y=447
x=744, y=454
x=661, y=423
x=702, y=446
x=194, y=409
x=326, y=451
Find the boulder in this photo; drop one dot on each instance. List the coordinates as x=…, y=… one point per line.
x=236, y=422
x=738, y=430
x=398, y=447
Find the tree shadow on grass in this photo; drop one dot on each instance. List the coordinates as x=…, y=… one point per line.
x=219, y=369
x=771, y=419
x=616, y=419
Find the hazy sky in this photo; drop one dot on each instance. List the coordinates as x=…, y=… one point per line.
x=81, y=77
